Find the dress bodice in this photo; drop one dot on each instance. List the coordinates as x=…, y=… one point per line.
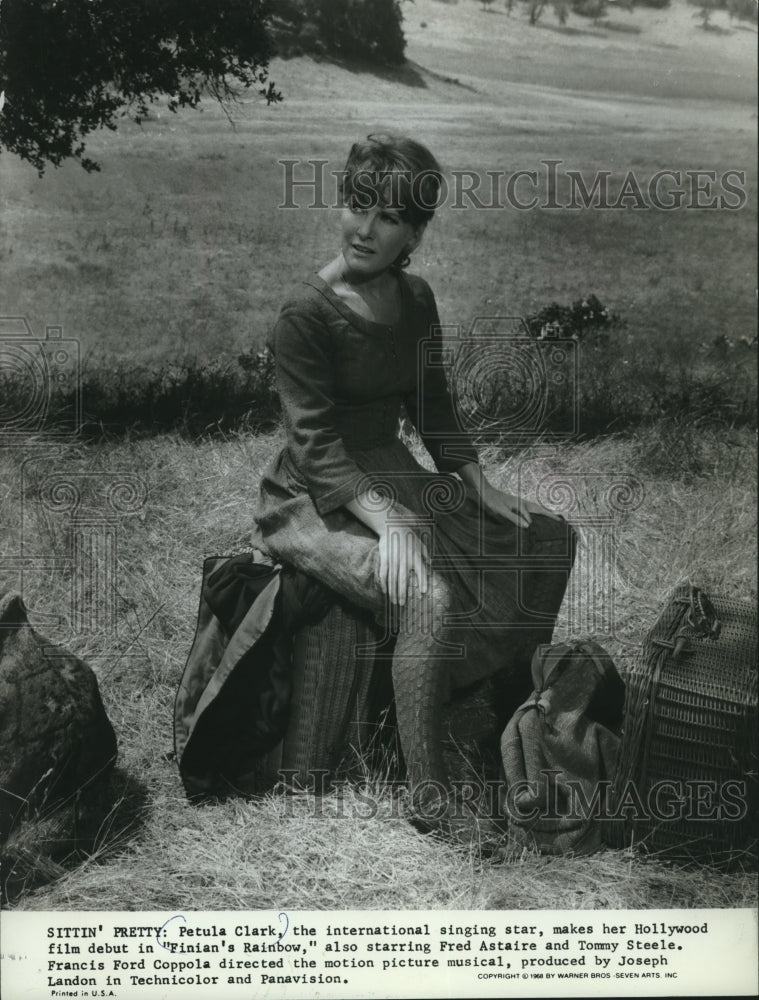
x=343, y=381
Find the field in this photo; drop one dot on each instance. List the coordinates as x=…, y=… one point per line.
x=177, y=250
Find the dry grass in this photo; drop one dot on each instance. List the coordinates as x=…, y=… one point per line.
x=357, y=851
x=691, y=516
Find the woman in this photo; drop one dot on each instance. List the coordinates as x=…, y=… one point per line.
x=434, y=557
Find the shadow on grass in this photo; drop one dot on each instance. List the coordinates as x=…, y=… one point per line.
x=44, y=848
x=407, y=74
x=621, y=27
x=715, y=29
x=443, y=78
x=560, y=29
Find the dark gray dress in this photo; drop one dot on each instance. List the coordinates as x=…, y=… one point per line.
x=344, y=382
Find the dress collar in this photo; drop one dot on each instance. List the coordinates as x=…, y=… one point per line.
x=356, y=318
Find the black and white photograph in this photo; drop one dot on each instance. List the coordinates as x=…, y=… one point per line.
x=378, y=493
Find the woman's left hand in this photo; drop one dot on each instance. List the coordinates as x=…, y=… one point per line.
x=508, y=506
x=498, y=502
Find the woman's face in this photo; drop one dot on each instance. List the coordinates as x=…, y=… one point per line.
x=374, y=238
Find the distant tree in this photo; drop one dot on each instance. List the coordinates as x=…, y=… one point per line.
x=561, y=9
x=590, y=8
x=706, y=9
x=361, y=29
x=68, y=67
x=344, y=30
x=535, y=9
x=744, y=10
x=486, y=4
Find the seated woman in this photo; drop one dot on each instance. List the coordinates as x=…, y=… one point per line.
x=462, y=580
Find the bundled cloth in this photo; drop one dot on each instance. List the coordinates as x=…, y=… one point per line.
x=560, y=748
x=57, y=750
x=233, y=701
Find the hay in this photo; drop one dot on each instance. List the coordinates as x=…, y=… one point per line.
x=696, y=521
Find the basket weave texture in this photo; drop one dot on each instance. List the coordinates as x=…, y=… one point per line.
x=337, y=699
x=691, y=721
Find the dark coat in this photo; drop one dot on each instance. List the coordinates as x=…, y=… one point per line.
x=233, y=701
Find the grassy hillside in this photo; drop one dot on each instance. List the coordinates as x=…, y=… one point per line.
x=178, y=247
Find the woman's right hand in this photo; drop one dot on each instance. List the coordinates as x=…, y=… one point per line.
x=401, y=553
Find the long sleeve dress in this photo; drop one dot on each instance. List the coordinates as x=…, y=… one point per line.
x=343, y=382
x=494, y=589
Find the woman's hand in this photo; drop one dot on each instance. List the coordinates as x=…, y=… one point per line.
x=507, y=505
x=512, y=507
x=401, y=553
x=401, y=550
x=498, y=502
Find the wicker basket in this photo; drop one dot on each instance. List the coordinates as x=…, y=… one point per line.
x=686, y=779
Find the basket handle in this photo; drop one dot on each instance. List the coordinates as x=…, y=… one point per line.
x=700, y=620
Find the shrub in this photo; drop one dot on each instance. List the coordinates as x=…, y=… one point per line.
x=609, y=396
x=514, y=398
x=617, y=386
x=589, y=8
x=189, y=396
x=584, y=319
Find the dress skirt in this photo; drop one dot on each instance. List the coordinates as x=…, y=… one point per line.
x=495, y=588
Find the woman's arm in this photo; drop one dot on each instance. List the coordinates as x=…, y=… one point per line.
x=305, y=384
x=503, y=504
x=429, y=405
x=304, y=372
x=433, y=412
